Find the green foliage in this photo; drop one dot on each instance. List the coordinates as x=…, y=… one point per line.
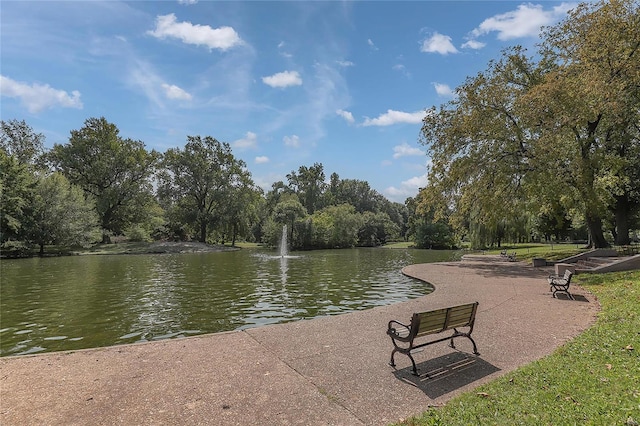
x=19, y=140
x=198, y=184
x=115, y=171
x=59, y=213
x=558, y=130
x=17, y=183
x=593, y=379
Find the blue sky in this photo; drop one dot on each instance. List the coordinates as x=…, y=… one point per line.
x=286, y=84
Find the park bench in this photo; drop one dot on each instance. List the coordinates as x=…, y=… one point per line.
x=428, y=323
x=561, y=283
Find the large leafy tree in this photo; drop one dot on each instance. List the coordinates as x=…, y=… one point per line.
x=59, y=213
x=17, y=184
x=200, y=181
x=117, y=172
x=19, y=140
x=525, y=131
x=308, y=183
x=482, y=147
x=20, y=151
x=590, y=106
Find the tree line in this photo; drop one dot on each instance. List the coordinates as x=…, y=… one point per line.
x=100, y=185
x=549, y=143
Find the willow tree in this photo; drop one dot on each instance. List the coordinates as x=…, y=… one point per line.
x=523, y=134
x=481, y=146
x=589, y=111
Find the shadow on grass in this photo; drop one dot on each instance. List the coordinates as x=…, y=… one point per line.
x=446, y=373
x=576, y=297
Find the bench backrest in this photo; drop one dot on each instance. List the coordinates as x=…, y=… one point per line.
x=424, y=323
x=567, y=276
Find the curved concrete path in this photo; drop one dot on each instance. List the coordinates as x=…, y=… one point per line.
x=325, y=371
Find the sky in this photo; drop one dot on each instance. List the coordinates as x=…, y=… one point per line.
x=286, y=84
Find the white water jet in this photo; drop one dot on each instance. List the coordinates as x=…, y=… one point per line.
x=284, y=249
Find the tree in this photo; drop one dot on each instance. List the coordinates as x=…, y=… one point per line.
x=199, y=181
x=17, y=183
x=60, y=214
x=287, y=212
x=309, y=185
x=521, y=128
x=115, y=171
x=593, y=97
x=19, y=140
x=480, y=145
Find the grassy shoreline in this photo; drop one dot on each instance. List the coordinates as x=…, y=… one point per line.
x=592, y=380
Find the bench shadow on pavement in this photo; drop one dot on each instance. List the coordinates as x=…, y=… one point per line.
x=447, y=373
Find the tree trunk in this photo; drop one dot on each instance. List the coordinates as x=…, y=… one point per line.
x=41, y=252
x=203, y=231
x=622, y=221
x=234, y=232
x=594, y=223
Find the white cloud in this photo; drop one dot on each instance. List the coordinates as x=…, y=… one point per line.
x=37, y=97
x=438, y=43
x=261, y=159
x=394, y=117
x=249, y=141
x=473, y=44
x=293, y=141
x=187, y=2
x=443, y=89
x=283, y=79
x=525, y=21
x=406, y=150
x=222, y=38
x=174, y=92
x=345, y=63
x=371, y=44
x=348, y=117
x=408, y=188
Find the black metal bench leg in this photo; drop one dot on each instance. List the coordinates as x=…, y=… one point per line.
x=415, y=369
x=392, y=362
x=475, y=348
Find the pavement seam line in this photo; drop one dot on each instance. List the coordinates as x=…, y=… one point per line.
x=330, y=398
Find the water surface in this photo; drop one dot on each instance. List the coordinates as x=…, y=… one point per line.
x=76, y=302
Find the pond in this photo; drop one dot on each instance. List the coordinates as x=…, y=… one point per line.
x=76, y=302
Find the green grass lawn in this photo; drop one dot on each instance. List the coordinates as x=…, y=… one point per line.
x=592, y=380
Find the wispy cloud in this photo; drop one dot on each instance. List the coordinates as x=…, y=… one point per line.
x=371, y=44
x=438, y=43
x=345, y=64
x=406, y=150
x=292, y=141
x=250, y=140
x=222, y=38
x=283, y=79
x=525, y=21
x=395, y=117
x=348, y=117
x=263, y=159
x=408, y=188
x=187, y=2
x=37, y=97
x=174, y=92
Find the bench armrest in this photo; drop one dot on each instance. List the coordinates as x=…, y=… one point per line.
x=399, y=331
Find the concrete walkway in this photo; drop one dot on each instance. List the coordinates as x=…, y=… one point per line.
x=325, y=371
